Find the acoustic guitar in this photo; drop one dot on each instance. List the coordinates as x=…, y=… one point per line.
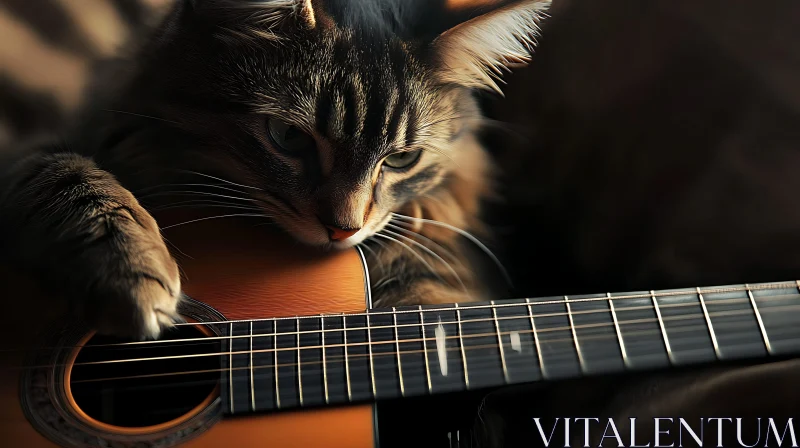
x=282, y=348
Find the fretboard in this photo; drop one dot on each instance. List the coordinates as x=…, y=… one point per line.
x=282, y=364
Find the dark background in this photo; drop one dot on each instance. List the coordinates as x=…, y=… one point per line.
x=653, y=144
x=649, y=145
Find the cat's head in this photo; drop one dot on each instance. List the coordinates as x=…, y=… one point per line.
x=337, y=118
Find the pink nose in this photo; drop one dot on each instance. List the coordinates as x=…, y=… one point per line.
x=337, y=234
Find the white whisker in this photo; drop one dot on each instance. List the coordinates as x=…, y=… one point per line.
x=235, y=207
x=235, y=215
x=199, y=193
x=433, y=254
x=140, y=115
x=212, y=202
x=269, y=200
x=364, y=245
x=220, y=187
x=465, y=234
x=380, y=283
x=183, y=273
x=423, y=237
x=419, y=257
x=379, y=243
x=221, y=180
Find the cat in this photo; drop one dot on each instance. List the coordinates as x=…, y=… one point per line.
x=620, y=97
x=340, y=126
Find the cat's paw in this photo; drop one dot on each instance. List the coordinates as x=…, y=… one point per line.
x=89, y=241
x=136, y=308
x=135, y=289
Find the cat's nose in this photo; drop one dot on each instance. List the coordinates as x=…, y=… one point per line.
x=338, y=234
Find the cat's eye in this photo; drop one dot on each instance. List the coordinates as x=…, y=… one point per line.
x=289, y=138
x=403, y=160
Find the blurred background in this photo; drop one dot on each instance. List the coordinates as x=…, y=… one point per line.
x=658, y=146
x=650, y=144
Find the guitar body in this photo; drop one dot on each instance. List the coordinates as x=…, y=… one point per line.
x=262, y=308
x=240, y=272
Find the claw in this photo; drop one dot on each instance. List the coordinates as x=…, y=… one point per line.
x=152, y=326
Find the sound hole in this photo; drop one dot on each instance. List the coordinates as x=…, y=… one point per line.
x=123, y=385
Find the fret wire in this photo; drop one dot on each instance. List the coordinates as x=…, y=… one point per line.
x=500, y=344
x=574, y=335
x=677, y=318
x=760, y=322
x=399, y=364
x=708, y=321
x=207, y=339
x=230, y=364
x=663, y=328
x=671, y=318
x=346, y=360
x=324, y=359
x=316, y=362
x=656, y=332
x=277, y=387
x=763, y=287
x=425, y=349
x=619, y=333
x=461, y=343
x=392, y=353
x=575, y=313
x=536, y=340
x=299, y=361
x=252, y=379
x=371, y=365
x=637, y=333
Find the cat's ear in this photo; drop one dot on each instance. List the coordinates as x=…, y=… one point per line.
x=475, y=53
x=264, y=18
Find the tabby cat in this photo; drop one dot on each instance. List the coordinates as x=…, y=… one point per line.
x=336, y=124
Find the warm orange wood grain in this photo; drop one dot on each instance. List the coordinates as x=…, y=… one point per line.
x=338, y=428
x=259, y=274
x=254, y=272
x=461, y=4
x=244, y=272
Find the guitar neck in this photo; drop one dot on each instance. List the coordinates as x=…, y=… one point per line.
x=277, y=364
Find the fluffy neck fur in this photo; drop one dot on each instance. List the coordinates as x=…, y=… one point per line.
x=201, y=100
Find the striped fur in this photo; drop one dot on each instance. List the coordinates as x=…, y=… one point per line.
x=193, y=101
x=49, y=52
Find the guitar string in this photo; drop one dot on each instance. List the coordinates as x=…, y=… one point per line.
x=566, y=340
x=270, y=366
x=492, y=334
x=571, y=327
x=174, y=342
x=538, y=331
x=179, y=342
x=647, y=295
